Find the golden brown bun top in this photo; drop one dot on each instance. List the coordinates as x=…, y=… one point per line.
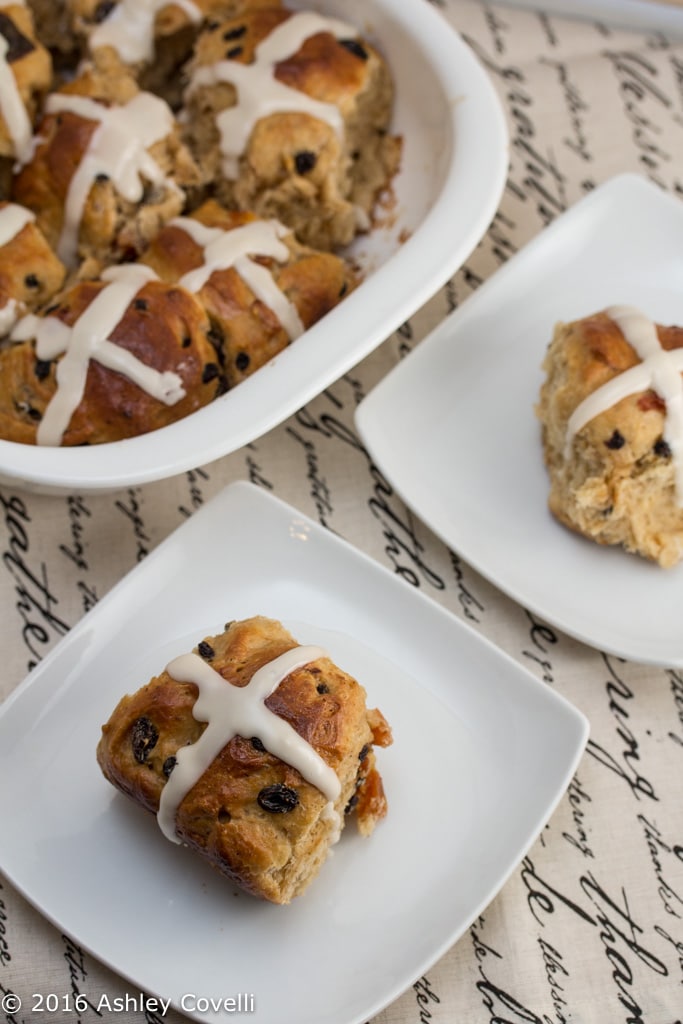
x=594, y=350
x=323, y=66
x=173, y=252
x=30, y=272
x=314, y=281
x=165, y=328
x=103, y=77
x=111, y=228
x=250, y=332
x=601, y=351
x=320, y=701
x=63, y=139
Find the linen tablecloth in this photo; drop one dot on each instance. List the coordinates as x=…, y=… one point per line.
x=589, y=928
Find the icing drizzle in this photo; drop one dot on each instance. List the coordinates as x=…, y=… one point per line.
x=259, y=93
x=89, y=339
x=129, y=27
x=13, y=219
x=12, y=107
x=8, y=316
x=117, y=149
x=234, y=248
x=659, y=369
x=241, y=711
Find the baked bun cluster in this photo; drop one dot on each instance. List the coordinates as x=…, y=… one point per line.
x=253, y=751
x=228, y=150
x=611, y=409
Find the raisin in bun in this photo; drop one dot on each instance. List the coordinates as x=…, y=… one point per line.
x=30, y=272
x=260, y=287
x=91, y=204
x=152, y=363
x=610, y=457
x=288, y=114
x=249, y=813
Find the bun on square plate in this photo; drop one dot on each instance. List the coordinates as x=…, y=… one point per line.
x=253, y=751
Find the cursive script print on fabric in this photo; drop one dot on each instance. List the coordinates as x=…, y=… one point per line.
x=35, y=600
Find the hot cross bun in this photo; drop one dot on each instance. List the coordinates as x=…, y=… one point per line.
x=612, y=449
x=254, y=752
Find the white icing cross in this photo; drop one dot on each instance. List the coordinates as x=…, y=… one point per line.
x=89, y=339
x=240, y=711
x=660, y=370
x=117, y=148
x=12, y=107
x=259, y=93
x=13, y=219
x=129, y=28
x=224, y=249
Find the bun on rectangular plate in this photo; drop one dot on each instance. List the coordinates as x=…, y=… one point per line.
x=611, y=408
x=253, y=751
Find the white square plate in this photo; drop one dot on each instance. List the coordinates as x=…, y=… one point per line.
x=454, y=429
x=482, y=753
x=453, y=168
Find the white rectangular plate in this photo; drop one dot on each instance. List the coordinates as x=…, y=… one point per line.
x=482, y=753
x=454, y=429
